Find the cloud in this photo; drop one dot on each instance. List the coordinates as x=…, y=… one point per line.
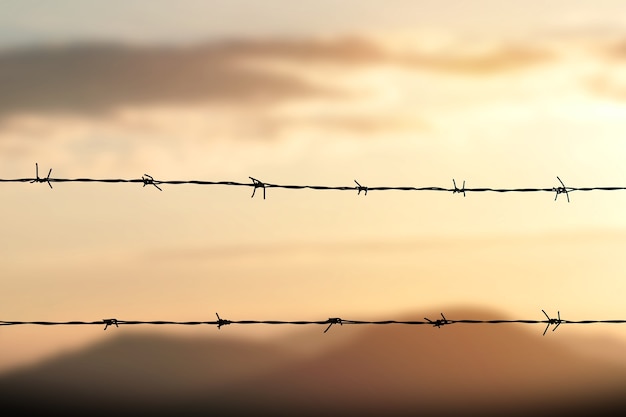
x=615, y=50
x=607, y=87
x=609, y=82
x=503, y=59
x=362, y=51
x=96, y=78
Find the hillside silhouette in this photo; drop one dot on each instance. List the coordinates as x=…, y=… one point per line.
x=375, y=370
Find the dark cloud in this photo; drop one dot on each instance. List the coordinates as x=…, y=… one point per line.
x=97, y=77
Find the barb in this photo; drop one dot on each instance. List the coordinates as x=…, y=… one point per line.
x=148, y=180
x=333, y=320
x=257, y=184
x=439, y=322
x=550, y=321
x=456, y=189
x=109, y=322
x=360, y=188
x=221, y=322
x=560, y=190
x=37, y=179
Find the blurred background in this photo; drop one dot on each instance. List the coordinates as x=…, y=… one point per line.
x=500, y=94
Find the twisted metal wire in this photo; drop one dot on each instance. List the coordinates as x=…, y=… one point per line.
x=258, y=184
x=548, y=321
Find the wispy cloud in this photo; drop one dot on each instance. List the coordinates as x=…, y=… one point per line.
x=615, y=50
x=609, y=81
x=366, y=51
x=608, y=87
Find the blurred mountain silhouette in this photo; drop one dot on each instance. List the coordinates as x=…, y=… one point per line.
x=378, y=370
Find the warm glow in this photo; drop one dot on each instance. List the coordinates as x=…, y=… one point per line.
x=490, y=103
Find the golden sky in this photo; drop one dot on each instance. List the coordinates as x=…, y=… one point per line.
x=499, y=94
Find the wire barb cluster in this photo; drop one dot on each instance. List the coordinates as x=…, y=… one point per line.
x=148, y=180
x=220, y=322
x=458, y=190
x=256, y=184
x=360, y=188
x=333, y=320
x=561, y=190
x=557, y=321
x=109, y=322
x=37, y=179
x=439, y=322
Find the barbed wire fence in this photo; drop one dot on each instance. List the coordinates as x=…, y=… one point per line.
x=443, y=321
x=256, y=184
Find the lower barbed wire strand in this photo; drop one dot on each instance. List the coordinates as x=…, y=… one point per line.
x=305, y=322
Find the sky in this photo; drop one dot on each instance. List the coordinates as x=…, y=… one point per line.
x=500, y=94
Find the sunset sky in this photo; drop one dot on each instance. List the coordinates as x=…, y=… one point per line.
x=500, y=94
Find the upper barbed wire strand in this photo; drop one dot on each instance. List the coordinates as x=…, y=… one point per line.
x=255, y=183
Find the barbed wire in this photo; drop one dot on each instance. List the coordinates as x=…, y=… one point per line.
x=443, y=321
x=256, y=184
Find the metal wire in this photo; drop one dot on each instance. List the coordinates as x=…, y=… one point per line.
x=556, y=322
x=256, y=184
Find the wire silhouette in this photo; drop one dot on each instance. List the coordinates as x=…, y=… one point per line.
x=439, y=322
x=109, y=322
x=37, y=179
x=221, y=322
x=456, y=189
x=557, y=321
x=561, y=190
x=148, y=180
x=256, y=184
x=333, y=320
x=360, y=188
x=328, y=322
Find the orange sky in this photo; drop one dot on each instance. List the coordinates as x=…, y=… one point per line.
x=398, y=104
